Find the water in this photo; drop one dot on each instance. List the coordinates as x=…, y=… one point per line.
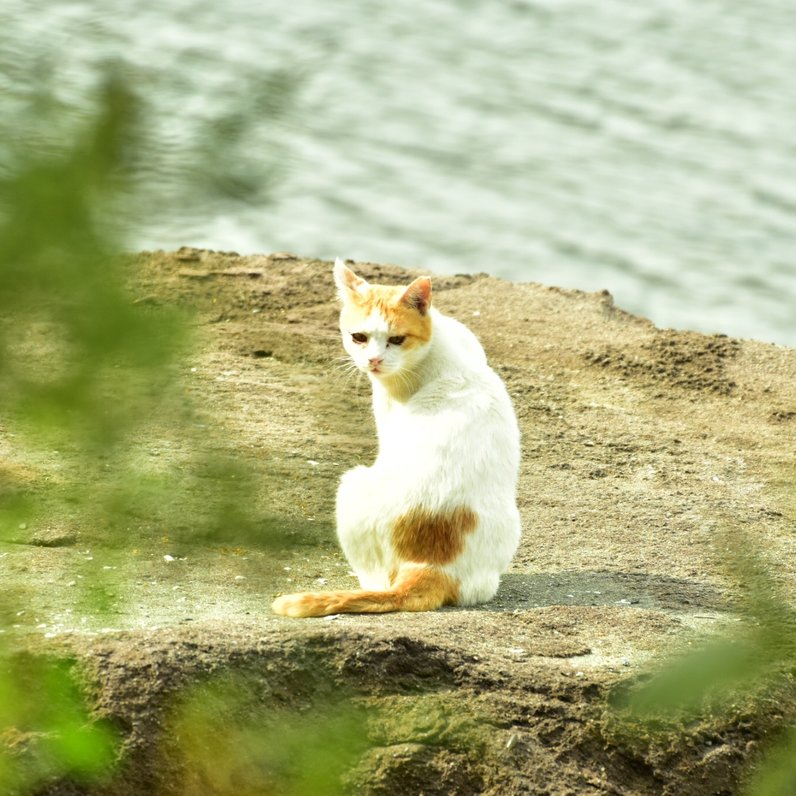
x=644, y=148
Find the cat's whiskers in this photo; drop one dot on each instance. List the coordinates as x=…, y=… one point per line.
x=403, y=377
x=345, y=368
x=346, y=374
x=401, y=383
x=344, y=363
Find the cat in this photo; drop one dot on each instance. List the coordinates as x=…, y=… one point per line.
x=434, y=520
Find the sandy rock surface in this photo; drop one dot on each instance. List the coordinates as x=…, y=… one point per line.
x=642, y=449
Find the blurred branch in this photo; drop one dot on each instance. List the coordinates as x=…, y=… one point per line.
x=87, y=375
x=45, y=729
x=737, y=672
x=233, y=740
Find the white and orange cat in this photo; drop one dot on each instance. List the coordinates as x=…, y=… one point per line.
x=433, y=521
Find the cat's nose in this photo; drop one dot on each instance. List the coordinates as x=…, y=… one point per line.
x=376, y=360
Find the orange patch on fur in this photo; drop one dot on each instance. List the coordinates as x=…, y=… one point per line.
x=407, y=321
x=429, y=537
x=414, y=589
x=403, y=319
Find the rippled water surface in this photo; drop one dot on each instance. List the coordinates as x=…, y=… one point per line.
x=647, y=148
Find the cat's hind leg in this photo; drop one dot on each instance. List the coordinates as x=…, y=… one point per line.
x=361, y=529
x=478, y=588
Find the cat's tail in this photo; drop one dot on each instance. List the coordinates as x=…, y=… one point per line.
x=416, y=588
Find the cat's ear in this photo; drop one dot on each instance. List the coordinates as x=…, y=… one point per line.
x=418, y=295
x=349, y=285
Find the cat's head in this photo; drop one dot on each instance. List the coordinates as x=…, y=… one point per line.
x=386, y=330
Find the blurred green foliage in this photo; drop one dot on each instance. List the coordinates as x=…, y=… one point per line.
x=80, y=367
x=776, y=773
x=735, y=676
x=86, y=373
x=90, y=390
x=45, y=729
x=76, y=355
x=235, y=741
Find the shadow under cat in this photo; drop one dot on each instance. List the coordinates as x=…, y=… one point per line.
x=603, y=588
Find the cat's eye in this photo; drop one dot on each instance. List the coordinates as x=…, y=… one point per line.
x=359, y=337
x=397, y=340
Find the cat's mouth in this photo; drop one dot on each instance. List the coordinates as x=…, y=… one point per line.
x=377, y=369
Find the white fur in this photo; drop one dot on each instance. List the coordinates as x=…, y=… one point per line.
x=453, y=442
